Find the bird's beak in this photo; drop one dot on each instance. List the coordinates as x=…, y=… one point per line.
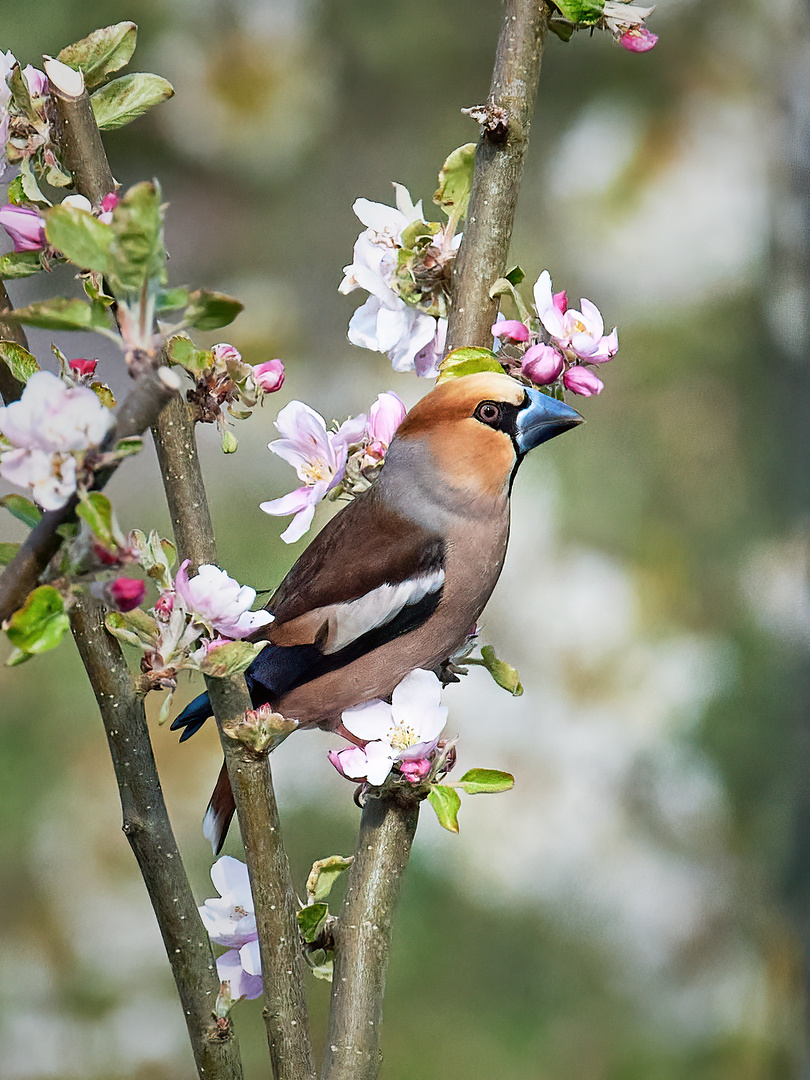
x=541, y=418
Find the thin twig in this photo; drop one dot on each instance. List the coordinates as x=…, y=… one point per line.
x=283, y=968
x=363, y=940
x=505, y=121
x=147, y=827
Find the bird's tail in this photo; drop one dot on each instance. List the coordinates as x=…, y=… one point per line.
x=192, y=718
x=220, y=810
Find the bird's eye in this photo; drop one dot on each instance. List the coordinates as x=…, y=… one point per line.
x=488, y=412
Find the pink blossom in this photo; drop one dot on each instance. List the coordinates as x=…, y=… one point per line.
x=319, y=458
x=415, y=769
x=83, y=369
x=542, y=364
x=384, y=417
x=126, y=593
x=511, y=329
x=638, y=39
x=37, y=81
x=218, y=600
x=581, y=380
x=25, y=227
x=241, y=984
x=164, y=606
x=269, y=375
x=578, y=332
x=108, y=204
x=225, y=352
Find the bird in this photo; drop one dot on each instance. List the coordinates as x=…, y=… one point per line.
x=398, y=577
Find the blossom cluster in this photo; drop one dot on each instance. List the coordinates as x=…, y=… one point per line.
x=402, y=736
x=24, y=131
x=330, y=463
x=230, y=921
x=576, y=339
x=26, y=226
x=626, y=22
x=403, y=263
x=47, y=436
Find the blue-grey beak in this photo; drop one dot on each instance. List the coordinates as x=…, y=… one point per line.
x=541, y=418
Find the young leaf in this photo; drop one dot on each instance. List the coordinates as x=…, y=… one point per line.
x=124, y=100
x=169, y=300
x=455, y=181
x=107, y=398
x=137, y=225
x=446, y=803
x=81, y=238
x=230, y=659
x=117, y=626
x=311, y=920
x=7, y=552
x=102, y=52
x=40, y=623
x=19, y=264
x=486, y=781
x=18, y=360
x=324, y=874
x=503, y=674
x=515, y=275
x=181, y=350
x=468, y=361
x=62, y=314
x=96, y=509
x=584, y=12
x=211, y=310
x=22, y=509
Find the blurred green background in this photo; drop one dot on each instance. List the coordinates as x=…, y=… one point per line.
x=638, y=906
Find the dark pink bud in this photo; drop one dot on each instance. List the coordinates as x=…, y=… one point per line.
x=126, y=593
x=269, y=375
x=511, y=329
x=415, y=769
x=104, y=555
x=25, y=227
x=164, y=605
x=561, y=301
x=542, y=364
x=581, y=380
x=638, y=39
x=109, y=202
x=83, y=368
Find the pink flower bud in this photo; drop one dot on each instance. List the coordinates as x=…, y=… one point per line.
x=109, y=202
x=511, y=329
x=224, y=352
x=384, y=417
x=415, y=769
x=104, y=555
x=581, y=380
x=542, y=364
x=25, y=227
x=638, y=39
x=126, y=593
x=269, y=375
x=37, y=81
x=164, y=606
x=83, y=368
x=560, y=300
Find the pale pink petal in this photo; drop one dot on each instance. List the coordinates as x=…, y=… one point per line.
x=581, y=380
x=379, y=762
x=241, y=984
x=369, y=721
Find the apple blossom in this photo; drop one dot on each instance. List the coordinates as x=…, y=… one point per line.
x=510, y=329
x=581, y=380
x=269, y=375
x=50, y=476
x=25, y=227
x=36, y=80
x=384, y=417
x=580, y=333
x=83, y=369
x=406, y=730
x=638, y=39
x=543, y=364
x=125, y=593
x=229, y=918
x=108, y=204
x=225, y=352
x=625, y=20
x=240, y=983
x=319, y=458
x=218, y=600
x=7, y=63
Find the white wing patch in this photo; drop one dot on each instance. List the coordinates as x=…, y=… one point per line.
x=351, y=620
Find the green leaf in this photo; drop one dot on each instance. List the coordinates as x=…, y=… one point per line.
x=324, y=874
x=321, y=963
x=311, y=921
x=486, y=781
x=106, y=397
x=503, y=674
x=563, y=30
x=96, y=509
x=468, y=360
x=155, y=556
x=124, y=100
x=18, y=360
x=102, y=52
x=230, y=659
x=118, y=626
x=22, y=509
x=584, y=12
x=169, y=300
x=81, y=238
x=446, y=803
x=211, y=310
x=181, y=350
x=29, y=184
x=166, y=708
x=62, y=314
x=20, y=92
x=7, y=552
x=40, y=623
x=230, y=444
x=19, y=264
x=16, y=194
x=138, y=250
x=515, y=276
x=455, y=181
x=127, y=447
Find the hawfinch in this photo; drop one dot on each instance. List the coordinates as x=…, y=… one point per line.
x=396, y=580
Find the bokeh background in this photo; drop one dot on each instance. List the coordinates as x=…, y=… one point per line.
x=638, y=906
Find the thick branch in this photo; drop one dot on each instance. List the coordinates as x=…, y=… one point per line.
x=147, y=827
x=137, y=412
x=10, y=330
x=80, y=145
x=498, y=169
x=363, y=940
x=283, y=969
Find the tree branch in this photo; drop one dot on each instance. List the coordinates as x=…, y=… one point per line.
x=505, y=121
x=363, y=939
x=283, y=966
x=147, y=827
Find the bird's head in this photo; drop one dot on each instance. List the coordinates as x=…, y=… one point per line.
x=479, y=428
